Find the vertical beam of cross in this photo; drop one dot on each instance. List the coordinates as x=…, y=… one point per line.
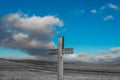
x=60, y=51
x=60, y=58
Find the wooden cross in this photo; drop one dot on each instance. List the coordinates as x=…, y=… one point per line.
x=60, y=51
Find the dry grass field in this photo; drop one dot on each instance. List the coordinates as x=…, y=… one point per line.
x=44, y=70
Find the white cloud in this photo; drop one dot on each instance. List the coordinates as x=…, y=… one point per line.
x=102, y=8
x=20, y=36
x=115, y=50
x=109, y=5
x=31, y=23
x=109, y=17
x=94, y=11
x=29, y=33
x=105, y=57
x=78, y=12
x=62, y=31
x=82, y=11
x=112, y=6
x=101, y=51
x=91, y=59
x=82, y=57
x=106, y=8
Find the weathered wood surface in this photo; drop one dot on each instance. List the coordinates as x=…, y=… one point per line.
x=60, y=51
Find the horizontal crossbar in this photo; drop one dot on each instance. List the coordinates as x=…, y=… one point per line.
x=64, y=51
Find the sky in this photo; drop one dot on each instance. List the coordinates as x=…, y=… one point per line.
x=28, y=28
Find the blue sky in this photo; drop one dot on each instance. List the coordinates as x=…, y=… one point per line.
x=89, y=26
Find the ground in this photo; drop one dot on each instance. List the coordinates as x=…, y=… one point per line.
x=45, y=70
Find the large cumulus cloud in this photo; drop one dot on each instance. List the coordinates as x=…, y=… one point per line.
x=29, y=33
